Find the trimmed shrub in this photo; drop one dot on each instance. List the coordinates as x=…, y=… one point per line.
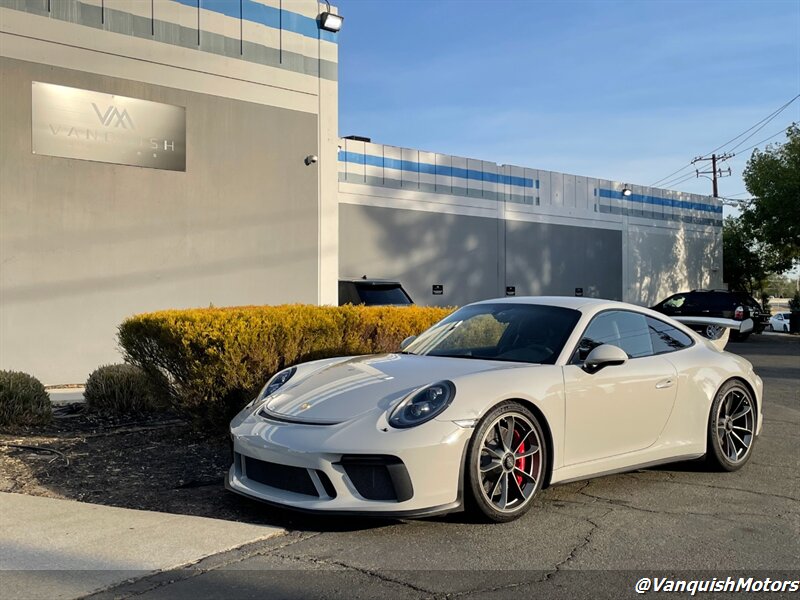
x=216, y=359
x=23, y=400
x=122, y=389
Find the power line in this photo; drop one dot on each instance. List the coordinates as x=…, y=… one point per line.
x=765, y=120
x=765, y=139
x=759, y=125
x=670, y=175
x=681, y=179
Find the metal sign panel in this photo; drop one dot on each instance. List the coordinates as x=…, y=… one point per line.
x=74, y=123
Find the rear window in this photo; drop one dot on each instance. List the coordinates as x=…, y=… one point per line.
x=382, y=294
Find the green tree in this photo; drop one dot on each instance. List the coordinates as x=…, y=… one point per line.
x=772, y=177
x=747, y=262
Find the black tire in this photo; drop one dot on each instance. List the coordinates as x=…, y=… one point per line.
x=770, y=327
x=520, y=470
x=730, y=438
x=739, y=337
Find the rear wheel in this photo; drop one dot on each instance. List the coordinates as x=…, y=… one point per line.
x=506, y=462
x=713, y=332
x=731, y=427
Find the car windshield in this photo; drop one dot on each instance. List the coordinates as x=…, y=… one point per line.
x=529, y=333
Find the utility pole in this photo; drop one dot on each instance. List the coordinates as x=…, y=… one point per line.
x=715, y=172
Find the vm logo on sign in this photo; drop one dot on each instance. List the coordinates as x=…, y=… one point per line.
x=113, y=116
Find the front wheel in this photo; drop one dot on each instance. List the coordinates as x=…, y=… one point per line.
x=506, y=462
x=731, y=427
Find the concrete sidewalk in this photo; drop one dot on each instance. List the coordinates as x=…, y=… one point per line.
x=65, y=549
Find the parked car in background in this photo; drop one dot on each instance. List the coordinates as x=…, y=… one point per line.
x=372, y=292
x=722, y=304
x=780, y=322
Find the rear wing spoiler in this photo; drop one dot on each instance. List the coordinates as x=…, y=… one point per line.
x=716, y=329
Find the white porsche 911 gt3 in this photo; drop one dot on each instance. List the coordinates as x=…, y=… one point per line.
x=495, y=402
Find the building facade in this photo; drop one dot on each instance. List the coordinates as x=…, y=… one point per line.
x=182, y=153
x=476, y=229
x=244, y=220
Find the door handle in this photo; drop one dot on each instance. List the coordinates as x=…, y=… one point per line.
x=664, y=383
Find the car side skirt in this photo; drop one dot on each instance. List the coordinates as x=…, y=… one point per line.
x=625, y=469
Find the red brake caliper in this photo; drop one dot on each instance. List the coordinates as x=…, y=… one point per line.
x=520, y=463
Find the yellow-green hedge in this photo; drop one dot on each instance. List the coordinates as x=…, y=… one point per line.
x=216, y=359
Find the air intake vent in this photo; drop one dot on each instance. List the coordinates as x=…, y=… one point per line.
x=282, y=477
x=378, y=477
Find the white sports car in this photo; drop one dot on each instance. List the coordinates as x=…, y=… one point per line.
x=492, y=404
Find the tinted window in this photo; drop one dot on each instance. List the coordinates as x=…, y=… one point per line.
x=666, y=338
x=676, y=301
x=529, y=333
x=376, y=295
x=720, y=301
x=624, y=329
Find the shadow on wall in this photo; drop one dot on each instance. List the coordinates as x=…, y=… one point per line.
x=421, y=249
x=476, y=257
x=665, y=262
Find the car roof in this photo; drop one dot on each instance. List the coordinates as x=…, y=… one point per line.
x=368, y=281
x=574, y=302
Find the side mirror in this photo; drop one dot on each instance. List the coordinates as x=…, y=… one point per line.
x=404, y=344
x=604, y=355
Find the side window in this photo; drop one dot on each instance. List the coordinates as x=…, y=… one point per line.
x=676, y=301
x=666, y=338
x=624, y=329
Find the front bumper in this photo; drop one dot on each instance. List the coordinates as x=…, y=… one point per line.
x=350, y=468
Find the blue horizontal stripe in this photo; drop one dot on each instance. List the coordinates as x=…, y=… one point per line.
x=421, y=167
x=616, y=195
x=270, y=16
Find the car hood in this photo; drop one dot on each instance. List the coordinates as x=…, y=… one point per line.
x=334, y=393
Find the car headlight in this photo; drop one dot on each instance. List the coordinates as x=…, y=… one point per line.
x=423, y=405
x=277, y=382
x=273, y=385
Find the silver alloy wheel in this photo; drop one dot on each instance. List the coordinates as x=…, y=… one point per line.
x=735, y=425
x=510, y=463
x=714, y=332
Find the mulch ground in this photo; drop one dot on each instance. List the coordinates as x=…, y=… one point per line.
x=153, y=463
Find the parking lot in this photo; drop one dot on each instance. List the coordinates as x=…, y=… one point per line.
x=585, y=539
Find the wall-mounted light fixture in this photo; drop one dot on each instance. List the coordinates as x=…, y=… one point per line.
x=330, y=21
x=626, y=191
x=311, y=159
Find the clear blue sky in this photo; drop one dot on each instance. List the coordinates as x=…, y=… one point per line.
x=628, y=90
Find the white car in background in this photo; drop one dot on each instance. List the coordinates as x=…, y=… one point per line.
x=780, y=322
x=495, y=402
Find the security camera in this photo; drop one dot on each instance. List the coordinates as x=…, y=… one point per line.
x=311, y=159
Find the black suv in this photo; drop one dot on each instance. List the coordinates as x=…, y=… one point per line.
x=716, y=303
x=372, y=292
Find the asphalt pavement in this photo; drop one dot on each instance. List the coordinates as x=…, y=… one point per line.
x=591, y=539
